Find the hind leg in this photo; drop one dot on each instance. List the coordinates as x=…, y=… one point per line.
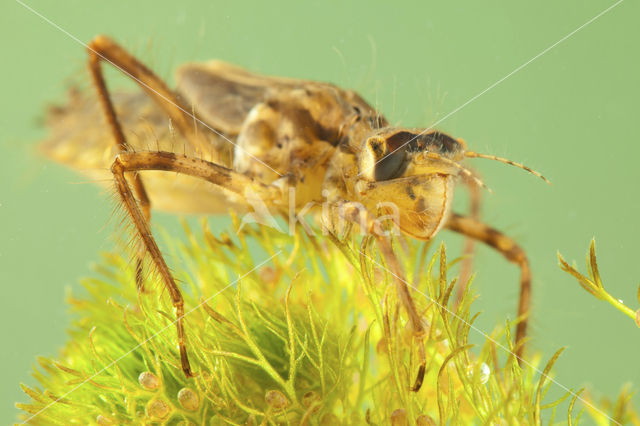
x=102, y=49
x=477, y=230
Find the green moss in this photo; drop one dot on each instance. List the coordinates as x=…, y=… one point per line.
x=593, y=283
x=283, y=330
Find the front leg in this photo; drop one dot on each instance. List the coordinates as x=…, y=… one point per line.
x=477, y=230
x=468, y=251
x=357, y=214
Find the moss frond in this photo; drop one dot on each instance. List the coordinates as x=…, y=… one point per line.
x=284, y=330
x=593, y=283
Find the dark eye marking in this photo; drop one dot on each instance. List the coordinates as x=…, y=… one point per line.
x=410, y=192
x=399, y=140
x=432, y=142
x=439, y=142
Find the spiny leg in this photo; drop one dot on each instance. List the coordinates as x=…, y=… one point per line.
x=356, y=213
x=141, y=224
x=168, y=161
x=121, y=143
x=102, y=48
x=514, y=253
x=211, y=172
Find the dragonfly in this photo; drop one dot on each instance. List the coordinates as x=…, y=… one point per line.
x=229, y=137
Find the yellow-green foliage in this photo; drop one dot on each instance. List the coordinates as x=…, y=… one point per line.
x=282, y=330
x=593, y=283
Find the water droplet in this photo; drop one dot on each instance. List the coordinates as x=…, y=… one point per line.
x=148, y=380
x=479, y=374
x=188, y=399
x=485, y=372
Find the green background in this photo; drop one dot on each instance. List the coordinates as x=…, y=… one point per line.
x=572, y=114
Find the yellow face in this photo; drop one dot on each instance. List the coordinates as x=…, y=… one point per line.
x=410, y=178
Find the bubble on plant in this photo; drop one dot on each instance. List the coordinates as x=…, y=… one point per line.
x=480, y=373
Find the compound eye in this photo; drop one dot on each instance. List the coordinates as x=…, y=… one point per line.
x=390, y=166
x=378, y=162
